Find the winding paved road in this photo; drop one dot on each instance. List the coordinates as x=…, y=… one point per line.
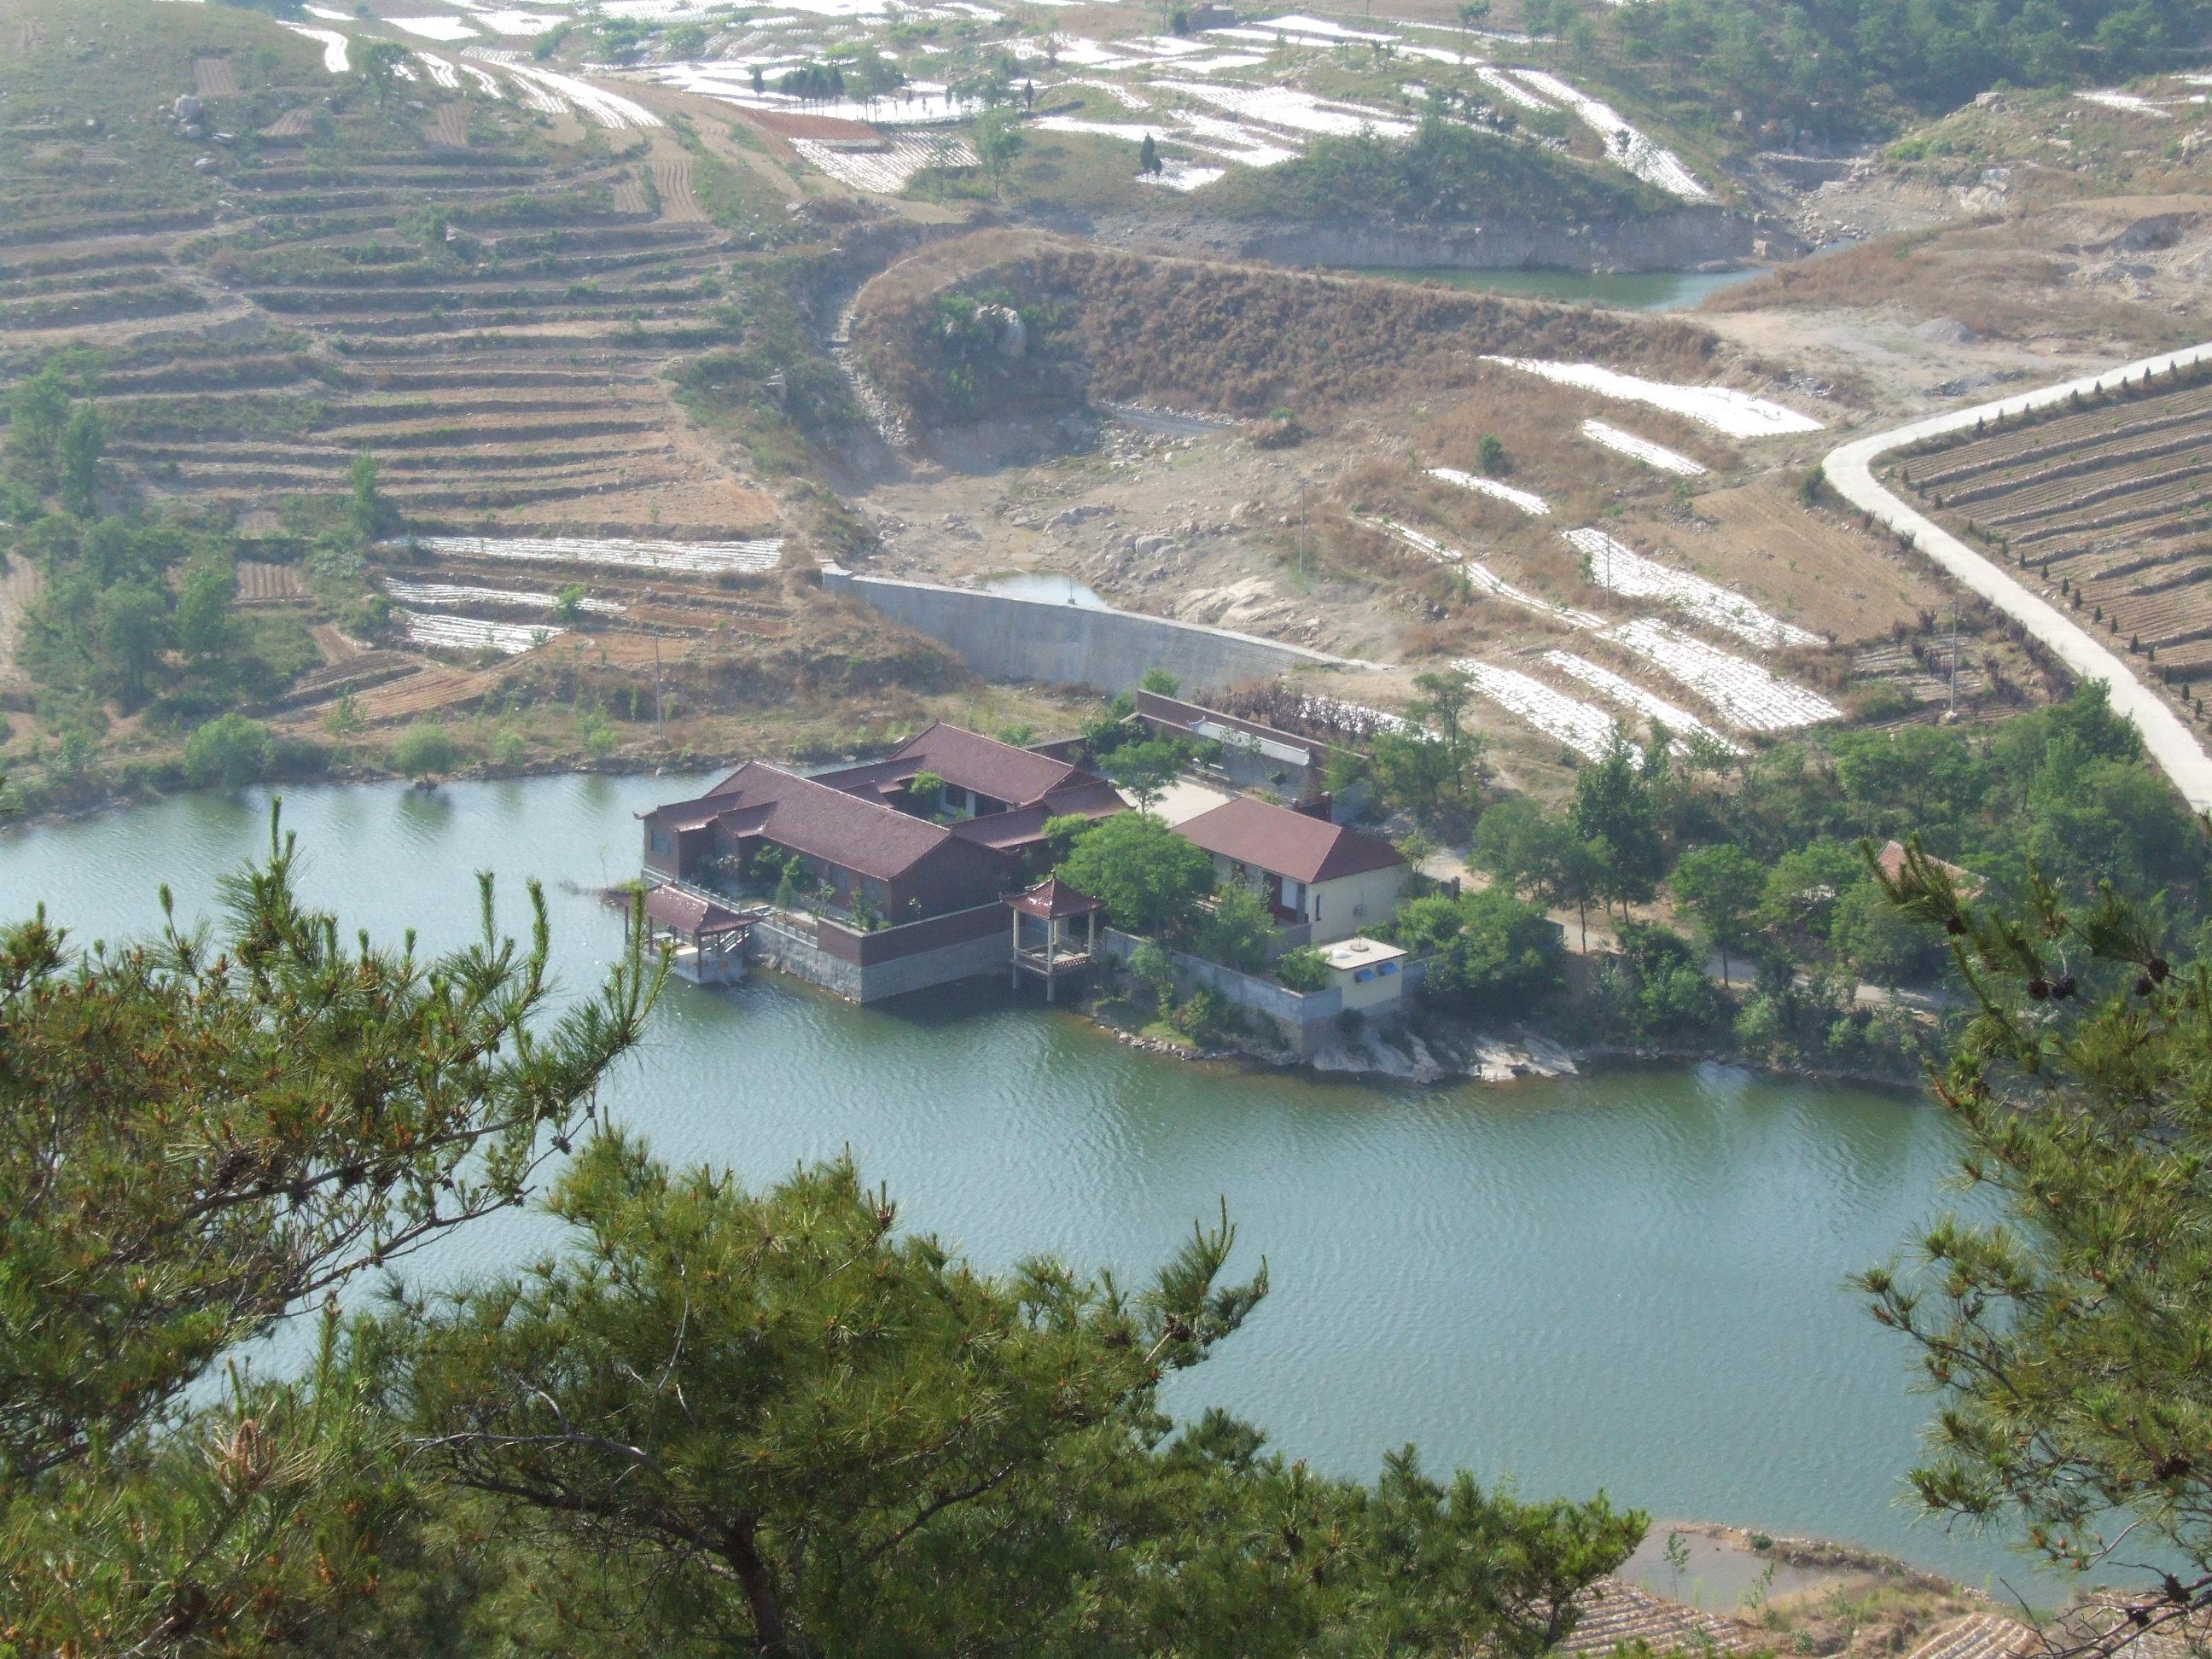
x=1851, y=471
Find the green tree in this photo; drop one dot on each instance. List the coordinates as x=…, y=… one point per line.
x=1160, y=683
x=132, y=622
x=1144, y=770
x=37, y=414
x=2067, y=1339
x=370, y=513
x=228, y=751
x=1238, y=931
x=569, y=604
x=425, y=751
x=1616, y=807
x=1303, y=968
x=999, y=139
x=378, y=63
x=1442, y=708
x=1721, y=886
x=772, y=1422
x=204, y=630
x=1501, y=955
x=203, y=1133
x=1150, y=879
x=1490, y=457
x=83, y=442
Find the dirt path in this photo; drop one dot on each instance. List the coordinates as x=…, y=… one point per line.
x=1851, y=471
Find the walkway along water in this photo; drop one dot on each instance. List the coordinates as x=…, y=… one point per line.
x=1851, y=470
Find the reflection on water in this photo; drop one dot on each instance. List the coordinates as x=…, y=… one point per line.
x=1633, y=1282
x=1048, y=586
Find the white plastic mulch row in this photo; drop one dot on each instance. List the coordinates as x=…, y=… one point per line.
x=443, y=631
x=1181, y=175
x=919, y=103
x=886, y=172
x=435, y=28
x=1114, y=89
x=1582, y=727
x=442, y=71
x=446, y=593
x=1486, y=581
x=2127, y=101
x=1287, y=106
x=1621, y=570
x=1624, y=145
x=1748, y=697
x=1526, y=500
x=1642, y=449
x=607, y=108
x=1722, y=407
x=332, y=43
x=706, y=558
x=1509, y=88
x=1607, y=683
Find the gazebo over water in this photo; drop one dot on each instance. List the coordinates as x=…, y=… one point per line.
x=1045, y=939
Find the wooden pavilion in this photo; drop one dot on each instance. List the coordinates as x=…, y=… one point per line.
x=707, y=939
x=1044, y=940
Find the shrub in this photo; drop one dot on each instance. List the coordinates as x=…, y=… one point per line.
x=424, y=751
x=1305, y=970
x=228, y=752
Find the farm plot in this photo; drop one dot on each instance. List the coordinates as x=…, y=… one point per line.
x=693, y=558
x=1629, y=694
x=439, y=595
x=1748, y=697
x=2110, y=507
x=1621, y=570
x=442, y=631
x=1526, y=500
x=1486, y=581
x=1724, y=408
x=1612, y=437
x=1582, y=727
x=887, y=170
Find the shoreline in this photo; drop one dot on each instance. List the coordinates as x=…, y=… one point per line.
x=1366, y=1067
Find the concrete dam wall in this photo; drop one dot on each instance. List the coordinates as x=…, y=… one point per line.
x=1042, y=642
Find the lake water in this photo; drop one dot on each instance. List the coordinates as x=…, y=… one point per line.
x=1049, y=586
x=1626, y=290
x=1633, y=1281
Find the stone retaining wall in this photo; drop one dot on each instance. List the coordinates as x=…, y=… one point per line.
x=1040, y=642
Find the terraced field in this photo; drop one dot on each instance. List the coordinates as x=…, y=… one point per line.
x=488, y=299
x=2110, y=507
x=484, y=299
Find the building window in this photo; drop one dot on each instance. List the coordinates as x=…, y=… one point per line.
x=664, y=844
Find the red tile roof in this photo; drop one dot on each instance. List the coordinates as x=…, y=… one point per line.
x=1286, y=843
x=969, y=760
x=1054, y=897
x=691, y=914
x=849, y=830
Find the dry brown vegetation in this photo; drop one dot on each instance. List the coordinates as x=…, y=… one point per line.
x=1245, y=341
